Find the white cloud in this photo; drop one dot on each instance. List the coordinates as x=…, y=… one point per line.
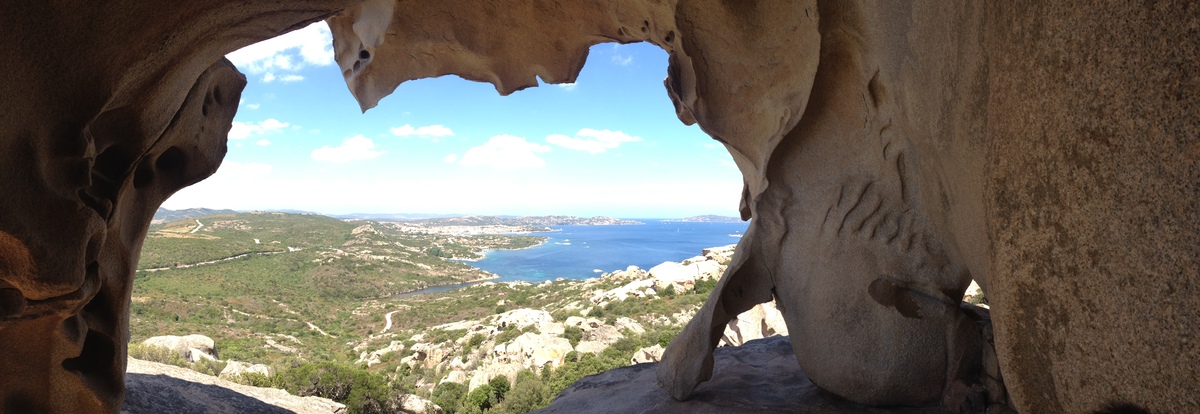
x=291, y=78
x=567, y=86
x=253, y=106
x=505, y=152
x=591, y=140
x=268, y=78
x=429, y=131
x=312, y=45
x=262, y=142
x=355, y=148
x=242, y=130
x=450, y=159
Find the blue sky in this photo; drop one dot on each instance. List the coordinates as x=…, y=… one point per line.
x=609, y=144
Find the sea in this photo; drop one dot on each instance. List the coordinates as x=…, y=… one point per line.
x=580, y=252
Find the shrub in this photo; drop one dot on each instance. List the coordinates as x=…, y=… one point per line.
x=362, y=392
x=208, y=366
x=449, y=395
x=573, y=334
x=157, y=354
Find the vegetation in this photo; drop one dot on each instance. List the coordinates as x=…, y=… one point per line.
x=306, y=294
x=305, y=282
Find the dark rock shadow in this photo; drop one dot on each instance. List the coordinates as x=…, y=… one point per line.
x=153, y=394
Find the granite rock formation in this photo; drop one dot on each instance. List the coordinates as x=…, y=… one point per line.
x=892, y=151
x=761, y=376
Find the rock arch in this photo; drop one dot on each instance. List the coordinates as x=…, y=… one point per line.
x=891, y=152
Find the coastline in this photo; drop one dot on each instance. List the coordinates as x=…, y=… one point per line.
x=483, y=253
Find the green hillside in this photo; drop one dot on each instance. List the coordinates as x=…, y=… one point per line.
x=297, y=280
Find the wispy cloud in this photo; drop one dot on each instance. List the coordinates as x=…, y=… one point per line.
x=505, y=152
x=312, y=45
x=620, y=59
x=592, y=140
x=450, y=159
x=355, y=148
x=433, y=132
x=243, y=130
x=262, y=142
x=567, y=86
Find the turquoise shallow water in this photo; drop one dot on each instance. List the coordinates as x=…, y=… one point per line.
x=579, y=252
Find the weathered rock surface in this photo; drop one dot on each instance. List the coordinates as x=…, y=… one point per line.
x=159, y=388
x=236, y=368
x=191, y=347
x=761, y=321
x=761, y=376
x=892, y=151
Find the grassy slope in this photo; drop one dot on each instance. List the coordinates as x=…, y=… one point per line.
x=246, y=301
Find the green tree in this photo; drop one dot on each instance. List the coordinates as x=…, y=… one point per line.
x=449, y=395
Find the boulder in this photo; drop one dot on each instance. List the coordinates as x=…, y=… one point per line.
x=413, y=404
x=455, y=376
x=721, y=254
x=487, y=372
x=520, y=318
x=647, y=354
x=633, y=326
x=191, y=347
x=671, y=274
x=636, y=289
x=535, y=350
x=235, y=368
x=761, y=321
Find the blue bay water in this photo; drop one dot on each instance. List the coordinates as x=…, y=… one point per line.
x=576, y=252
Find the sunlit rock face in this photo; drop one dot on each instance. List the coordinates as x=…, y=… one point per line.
x=892, y=151
x=110, y=107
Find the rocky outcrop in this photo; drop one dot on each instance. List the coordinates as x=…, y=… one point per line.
x=647, y=354
x=761, y=376
x=234, y=369
x=761, y=321
x=891, y=151
x=158, y=388
x=192, y=348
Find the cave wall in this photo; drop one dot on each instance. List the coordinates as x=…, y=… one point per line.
x=892, y=152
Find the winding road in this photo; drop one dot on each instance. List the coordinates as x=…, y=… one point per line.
x=388, y=317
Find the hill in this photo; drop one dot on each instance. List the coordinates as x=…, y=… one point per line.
x=526, y=221
x=163, y=215
x=276, y=285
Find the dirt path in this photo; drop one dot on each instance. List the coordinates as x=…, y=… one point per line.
x=388, y=317
x=199, y=225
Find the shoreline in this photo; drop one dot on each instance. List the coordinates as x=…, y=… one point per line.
x=483, y=253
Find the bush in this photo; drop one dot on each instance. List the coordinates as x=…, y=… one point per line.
x=208, y=366
x=573, y=334
x=157, y=354
x=528, y=393
x=361, y=391
x=449, y=396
